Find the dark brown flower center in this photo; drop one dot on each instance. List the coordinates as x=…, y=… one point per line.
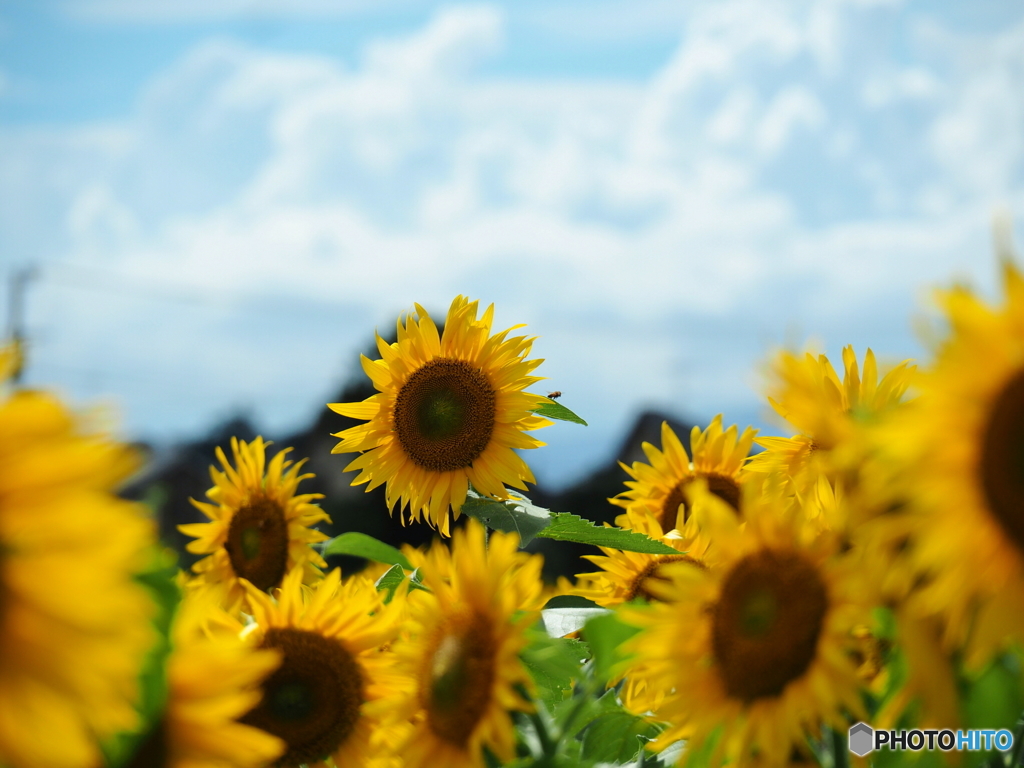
x=444, y=415
x=312, y=701
x=1001, y=466
x=257, y=542
x=766, y=623
x=653, y=571
x=456, y=686
x=675, y=511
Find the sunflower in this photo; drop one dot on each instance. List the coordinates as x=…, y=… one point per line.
x=955, y=456
x=324, y=699
x=449, y=412
x=74, y=625
x=624, y=575
x=658, y=487
x=808, y=394
x=460, y=660
x=213, y=678
x=754, y=654
x=260, y=527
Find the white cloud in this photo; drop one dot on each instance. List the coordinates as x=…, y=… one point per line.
x=657, y=234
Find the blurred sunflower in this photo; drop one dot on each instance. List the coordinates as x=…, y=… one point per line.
x=658, y=488
x=956, y=455
x=260, y=526
x=625, y=576
x=213, y=678
x=449, y=412
x=808, y=394
x=460, y=661
x=754, y=654
x=74, y=625
x=324, y=699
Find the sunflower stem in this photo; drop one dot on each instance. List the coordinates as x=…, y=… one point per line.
x=548, y=745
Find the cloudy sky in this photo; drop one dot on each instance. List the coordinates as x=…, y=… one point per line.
x=223, y=198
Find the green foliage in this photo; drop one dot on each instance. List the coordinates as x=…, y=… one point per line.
x=617, y=737
x=554, y=664
x=568, y=527
x=361, y=545
x=992, y=700
x=160, y=578
x=605, y=634
x=389, y=581
x=516, y=515
x=552, y=410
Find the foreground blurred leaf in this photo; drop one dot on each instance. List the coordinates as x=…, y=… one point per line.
x=568, y=527
x=553, y=663
x=604, y=634
x=617, y=737
x=552, y=410
x=361, y=545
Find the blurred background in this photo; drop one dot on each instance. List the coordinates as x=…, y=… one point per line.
x=207, y=206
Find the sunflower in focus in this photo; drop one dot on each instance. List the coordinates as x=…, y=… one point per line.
x=624, y=576
x=955, y=454
x=449, y=411
x=74, y=625
x=259, y=527
x=658, y=488
x=808, y=394
x=323, y=701
x=460, y=660
x=213, y=679
x=754, y=654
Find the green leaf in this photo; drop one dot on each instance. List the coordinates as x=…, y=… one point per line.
x=554, y=664
x=604, y=634
x=160, y=578
x=361, y=545
x=390, y=580
x=993, y=700
x=553, y=410
x=617, y=737
x=560, y=622
x=516, y=515
x=568, y=527
x=570, y=601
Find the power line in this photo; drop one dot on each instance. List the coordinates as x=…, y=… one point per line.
x=18, y=286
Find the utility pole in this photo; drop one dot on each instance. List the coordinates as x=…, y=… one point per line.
x=16, y=316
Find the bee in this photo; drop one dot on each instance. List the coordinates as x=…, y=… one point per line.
x=554, y=395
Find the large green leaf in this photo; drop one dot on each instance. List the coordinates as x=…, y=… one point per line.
x=554, y=664
x=617, y=737
x=552, y=410
x=516, y=515
x=604, y=634
x=360, y=545
x=568, y=527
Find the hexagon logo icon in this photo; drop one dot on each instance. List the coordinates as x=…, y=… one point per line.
x=862, y=739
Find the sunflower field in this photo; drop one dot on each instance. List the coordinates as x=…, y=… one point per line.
x=848, y=595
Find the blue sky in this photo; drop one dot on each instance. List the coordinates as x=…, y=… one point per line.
x=224, y=197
